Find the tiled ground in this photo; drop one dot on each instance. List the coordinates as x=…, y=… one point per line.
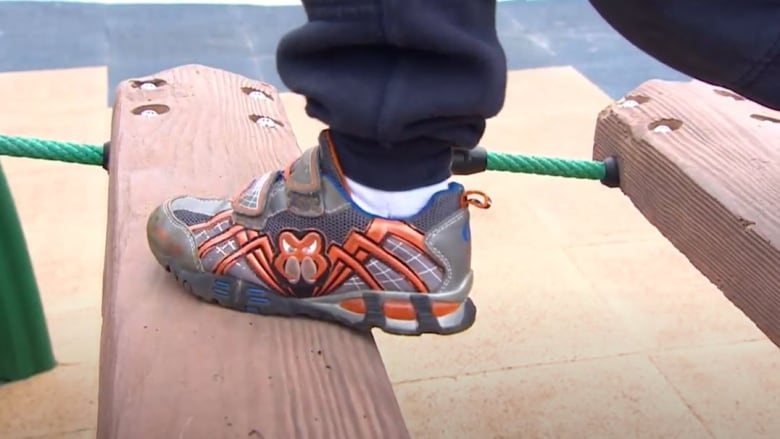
x=590, y=324
x=139, y=39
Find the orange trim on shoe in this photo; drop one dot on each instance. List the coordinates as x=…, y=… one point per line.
x=336, y=163
x=477, y=199
x=216, y=219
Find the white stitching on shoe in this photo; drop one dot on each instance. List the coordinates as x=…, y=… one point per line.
x=435, y=232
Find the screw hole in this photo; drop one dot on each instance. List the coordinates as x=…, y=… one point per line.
x=666, y=125
x=265, y=121
x=148, y=84
x=762, y=118
x=256, y=93
x=728, y=94
x=632, y=101
x=150, y=110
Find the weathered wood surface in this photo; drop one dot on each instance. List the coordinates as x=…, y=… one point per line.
x=175, y=367
x=709, y=180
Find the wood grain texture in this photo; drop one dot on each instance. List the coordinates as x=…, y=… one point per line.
x=175, y=367
x=711, y=185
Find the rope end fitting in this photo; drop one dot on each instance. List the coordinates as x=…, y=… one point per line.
x=106, y=154
x=469, y=161
x=611, y=173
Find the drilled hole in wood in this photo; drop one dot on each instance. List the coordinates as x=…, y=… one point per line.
x=256, y=93
x=150, y=110
x=148, y=84
x=631, y=101
x=265, y=121
x=728, y=94
x=762, y=118
x=666, y=125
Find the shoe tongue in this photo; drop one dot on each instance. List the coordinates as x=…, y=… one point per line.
x=327, y=156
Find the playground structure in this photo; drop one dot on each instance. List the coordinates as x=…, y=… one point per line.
x=166, y=135
x=702, y=165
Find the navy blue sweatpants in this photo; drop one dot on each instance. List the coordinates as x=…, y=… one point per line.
x=402, y=82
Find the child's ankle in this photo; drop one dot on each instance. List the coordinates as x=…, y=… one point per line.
x=393, y=204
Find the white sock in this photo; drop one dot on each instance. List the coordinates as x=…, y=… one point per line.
x=389, y=204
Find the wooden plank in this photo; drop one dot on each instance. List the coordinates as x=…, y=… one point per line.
x=702, y=164
x=172, y=366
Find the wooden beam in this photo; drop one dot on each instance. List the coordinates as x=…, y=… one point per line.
x=702, y=164
x=172, y=366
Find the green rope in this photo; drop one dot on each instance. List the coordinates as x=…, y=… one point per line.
x=527, y=164
x=496, y=161
x=30, y=147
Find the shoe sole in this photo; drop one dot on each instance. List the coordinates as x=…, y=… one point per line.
x=244, y=296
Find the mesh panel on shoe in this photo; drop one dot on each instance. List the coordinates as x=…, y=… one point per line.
x=335, y=226
x=442, y=206
x=190, y=218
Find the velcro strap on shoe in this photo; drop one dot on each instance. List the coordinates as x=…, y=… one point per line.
x=252, y=200
x=303, y=184
x=303, y=175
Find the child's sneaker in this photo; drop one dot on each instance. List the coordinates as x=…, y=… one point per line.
x=292, y=243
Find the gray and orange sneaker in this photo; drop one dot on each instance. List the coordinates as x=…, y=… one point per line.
x=293, y=243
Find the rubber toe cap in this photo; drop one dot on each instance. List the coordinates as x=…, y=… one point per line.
x=170, y=240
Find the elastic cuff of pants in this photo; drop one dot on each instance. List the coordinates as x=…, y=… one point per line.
x=396, y=168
